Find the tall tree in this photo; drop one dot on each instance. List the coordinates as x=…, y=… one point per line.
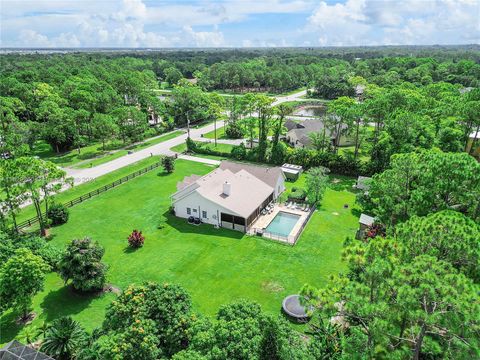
x=21, y=277
x=81, y=263
x=419, y=183
x=448, y=235
x=282, y=111
x=316, y=183
x=39, y=180
x=104, y=128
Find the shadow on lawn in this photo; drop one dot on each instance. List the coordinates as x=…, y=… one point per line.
x=58, y=303
x=341, y=183
x=10, y=329
x=65, y=302
x=204, y=229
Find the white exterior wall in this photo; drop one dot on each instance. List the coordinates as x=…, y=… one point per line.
x=279, y=187
x=198, y=202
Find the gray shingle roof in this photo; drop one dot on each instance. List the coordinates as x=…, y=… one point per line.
x=268, y=174
x=17, y=351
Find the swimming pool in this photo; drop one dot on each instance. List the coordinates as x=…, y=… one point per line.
x=282, y=224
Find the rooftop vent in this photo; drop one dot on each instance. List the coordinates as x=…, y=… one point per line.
x=227, y=188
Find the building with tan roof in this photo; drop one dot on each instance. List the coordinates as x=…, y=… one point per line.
x=231, y=196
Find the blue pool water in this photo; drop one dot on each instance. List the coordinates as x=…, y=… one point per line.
x=282, y=224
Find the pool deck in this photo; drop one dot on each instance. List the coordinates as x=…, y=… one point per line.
x=263, y=220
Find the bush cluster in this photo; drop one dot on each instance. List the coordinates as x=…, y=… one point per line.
x=136, y=239
x=297, y=194
x=201, y=148
x=58, y=214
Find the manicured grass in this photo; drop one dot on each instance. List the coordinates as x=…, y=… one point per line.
x=72, y=157
x=94, y=184
x=181, y=148
x=220, y=134
x=94, y=152
x=123, y=152
x=216, y=266
x=101, y=160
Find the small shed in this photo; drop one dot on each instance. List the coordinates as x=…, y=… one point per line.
x=292, y=172
x=363, y=183
x=365, y=221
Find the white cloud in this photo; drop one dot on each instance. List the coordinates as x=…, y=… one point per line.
x=371, y=22
x=28, y=37
x=205, y=23
x=204, y=38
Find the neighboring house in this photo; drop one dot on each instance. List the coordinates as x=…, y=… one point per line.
x=360, y=91
x=230, y=196
x=298, y=135
x=474, y=140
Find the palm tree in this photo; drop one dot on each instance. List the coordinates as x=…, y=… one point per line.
x=64, y=339
x=28, y=335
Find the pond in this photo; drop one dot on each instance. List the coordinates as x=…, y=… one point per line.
x=311, y=110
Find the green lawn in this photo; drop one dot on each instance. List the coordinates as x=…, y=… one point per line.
x=123, y=152
x=94, y=184
x=72, y=157
x=95, y=152
x=220, y=134
x=181, y=148
x=216, y=266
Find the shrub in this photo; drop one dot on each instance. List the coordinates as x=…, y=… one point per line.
x=234, y=131
x=40, y=247
x=168, y=163
x=58, y=214
x=374, y=230
x=239, y=152
x=81, y=263
x=64, y=339
x=136, y=239
x=297, y=194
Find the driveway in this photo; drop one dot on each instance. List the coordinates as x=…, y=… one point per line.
x=163, y=148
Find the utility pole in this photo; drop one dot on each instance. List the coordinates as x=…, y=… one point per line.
x=215, y=130
x=188, y=125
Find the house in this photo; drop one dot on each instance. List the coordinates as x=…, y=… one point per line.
x=473, y=141
x=298, y=135
x=231, y=196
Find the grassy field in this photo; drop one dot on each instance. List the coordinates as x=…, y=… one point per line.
x=220, y=134
x=72, y=157
x=123, y=152
x=95, y=152
x=94, y=184
x=180, y=148
x=216, y=266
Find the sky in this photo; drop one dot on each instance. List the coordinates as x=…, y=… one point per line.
x=237, y=23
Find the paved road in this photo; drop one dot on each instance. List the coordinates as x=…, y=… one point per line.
x=293, y=97
x=163, y=148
